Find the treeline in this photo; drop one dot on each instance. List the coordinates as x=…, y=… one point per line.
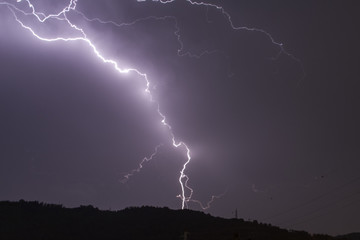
x=35, y=220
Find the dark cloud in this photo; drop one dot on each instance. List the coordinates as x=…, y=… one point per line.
x=259, y=127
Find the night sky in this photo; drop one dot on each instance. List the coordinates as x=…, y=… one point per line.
x=276, y=133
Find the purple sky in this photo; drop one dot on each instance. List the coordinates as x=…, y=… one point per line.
x=281, y=142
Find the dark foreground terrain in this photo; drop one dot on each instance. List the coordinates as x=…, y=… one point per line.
x=34, y=220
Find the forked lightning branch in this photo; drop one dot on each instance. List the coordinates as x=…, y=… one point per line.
x=25, y=13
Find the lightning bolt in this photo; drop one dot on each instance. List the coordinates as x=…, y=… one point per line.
x=226, y=14
x=186, y=191
x=183, y=178
x=62, y=16
x=180, y=51
x=143, y=161
x=208, y=204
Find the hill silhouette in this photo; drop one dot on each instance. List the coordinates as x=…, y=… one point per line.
x=350, y=236
x=35, y=220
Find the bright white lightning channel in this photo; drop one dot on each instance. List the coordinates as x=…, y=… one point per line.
x=42, y=18
x=186, y=191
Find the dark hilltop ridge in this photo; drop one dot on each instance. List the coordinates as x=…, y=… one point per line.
x=34, y=220
x=350, y=236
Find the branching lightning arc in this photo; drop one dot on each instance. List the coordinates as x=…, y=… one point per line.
x=17, y=10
